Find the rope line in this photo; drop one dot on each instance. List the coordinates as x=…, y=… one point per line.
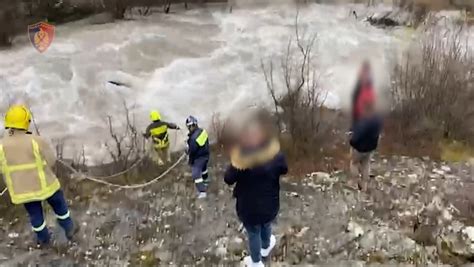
x=68, y=166
x=134, y=186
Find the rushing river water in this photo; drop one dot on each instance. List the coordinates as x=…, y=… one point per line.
x=199, y=62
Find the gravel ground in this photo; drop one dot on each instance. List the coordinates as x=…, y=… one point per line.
x=415, y=211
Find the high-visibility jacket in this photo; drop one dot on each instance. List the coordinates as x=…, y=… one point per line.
x=26, y=163
x=198, y=145
x=158, y=131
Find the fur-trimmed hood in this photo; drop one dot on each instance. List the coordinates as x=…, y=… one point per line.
x=246, y=160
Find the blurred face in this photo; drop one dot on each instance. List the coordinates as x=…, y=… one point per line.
x=252, y=136
x=365, y=71
x=191, y=127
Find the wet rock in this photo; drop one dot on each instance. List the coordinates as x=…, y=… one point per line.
x=386, y=20
x=101, y=18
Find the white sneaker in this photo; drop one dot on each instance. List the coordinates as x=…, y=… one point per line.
x=202, y=195
x=249, y=263
x=266, y=251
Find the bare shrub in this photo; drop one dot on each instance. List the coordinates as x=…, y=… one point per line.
x=432, y=89
x=299, y=109
x=126, y=145
x=218, y=128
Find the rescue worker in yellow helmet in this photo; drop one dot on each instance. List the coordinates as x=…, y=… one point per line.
x=26, y=163
x=158, y=131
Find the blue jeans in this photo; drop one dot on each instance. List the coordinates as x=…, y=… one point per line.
x=199, y=173
x=259, y=237
x=35, y=211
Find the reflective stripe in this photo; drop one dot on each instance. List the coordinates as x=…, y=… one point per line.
x=39, y=228
x=160, y=136
x=63, y=217
x=199, y=180
x=204, y=172
x=6, y=171
x=39, y=164
x=202, y=138
x=159, y=130
x=45, y=190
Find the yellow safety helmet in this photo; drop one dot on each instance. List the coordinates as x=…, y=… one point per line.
x=18, y=117
x=155, y=115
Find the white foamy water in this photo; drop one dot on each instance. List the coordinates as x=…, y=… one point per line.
x=197, y=62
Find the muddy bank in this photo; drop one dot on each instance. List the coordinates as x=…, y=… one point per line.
x=415, y=212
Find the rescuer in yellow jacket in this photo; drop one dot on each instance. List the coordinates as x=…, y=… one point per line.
x=26, y=162
x=158, y=131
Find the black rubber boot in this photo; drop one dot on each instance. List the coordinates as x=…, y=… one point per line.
x=71, y=233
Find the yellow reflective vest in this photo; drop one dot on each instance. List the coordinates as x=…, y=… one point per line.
x=160, y=136
x=26, y=164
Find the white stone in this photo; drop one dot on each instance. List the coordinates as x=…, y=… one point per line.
x=221, y=251
x=302, y=231
x=469, y=233
x=446, y=168
x=355, y=229
x=447, y=215
x=13, y=235
x=321, y=175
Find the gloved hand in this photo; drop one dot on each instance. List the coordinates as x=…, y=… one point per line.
x=186, y=147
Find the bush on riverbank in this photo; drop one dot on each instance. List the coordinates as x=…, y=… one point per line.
x=299, y=104
x=433, y=90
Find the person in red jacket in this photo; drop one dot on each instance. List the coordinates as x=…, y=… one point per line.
x=363, y=93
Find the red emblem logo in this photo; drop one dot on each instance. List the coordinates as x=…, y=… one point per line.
x=41, y=35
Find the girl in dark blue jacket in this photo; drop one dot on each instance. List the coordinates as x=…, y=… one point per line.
x=256, y=174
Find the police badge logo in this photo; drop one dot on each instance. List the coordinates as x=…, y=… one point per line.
x=41, y=35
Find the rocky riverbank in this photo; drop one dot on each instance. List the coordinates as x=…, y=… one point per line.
x=416, y=211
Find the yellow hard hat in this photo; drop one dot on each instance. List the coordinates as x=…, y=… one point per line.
x=18, y=117
x=155, y=115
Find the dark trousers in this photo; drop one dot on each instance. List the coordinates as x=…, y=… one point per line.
x=200, y=174
x=259, y=237
x=59, y=205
